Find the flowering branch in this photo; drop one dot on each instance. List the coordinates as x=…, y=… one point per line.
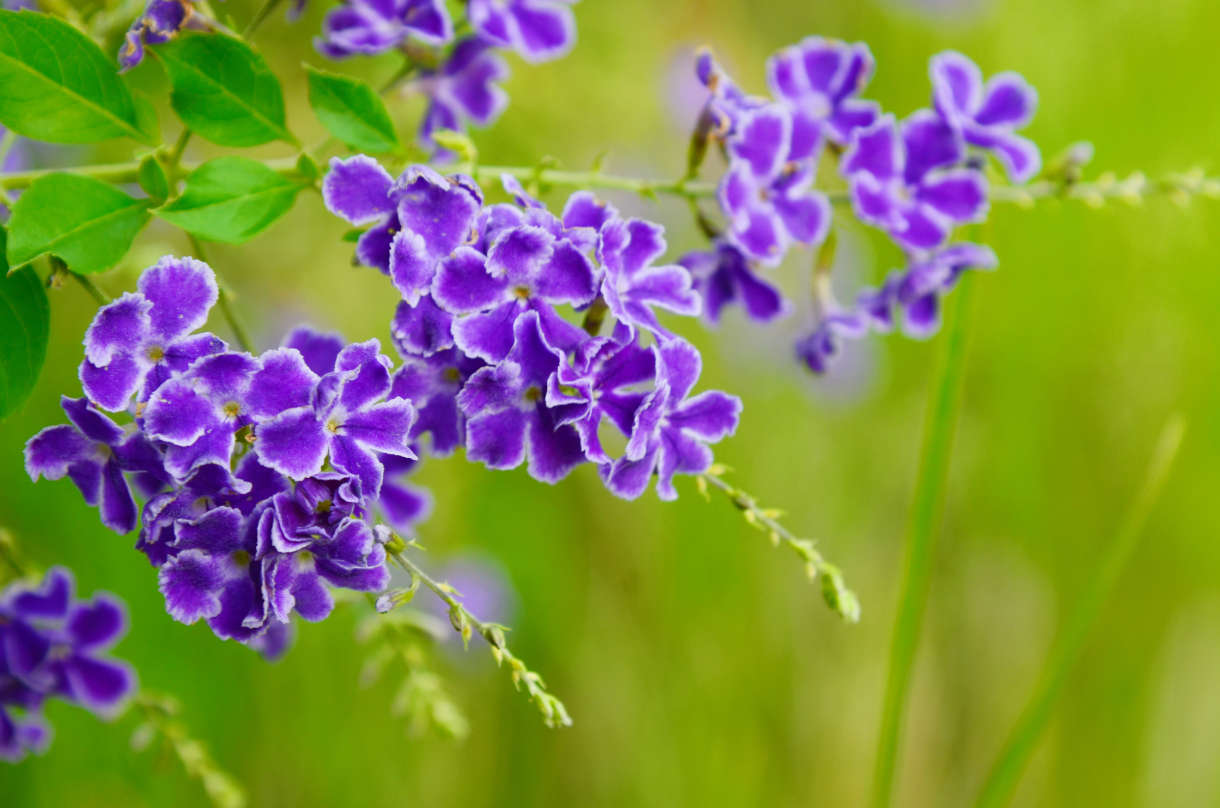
x=160, y=714
x=554, y=714
x=834, y=589
x=1132, y=189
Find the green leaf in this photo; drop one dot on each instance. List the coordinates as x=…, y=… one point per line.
x=224, y=91
x=24, y=323
x=230, y=199
x=151, y=176
x=351, y=111
x=87, y=223
x=56, y=85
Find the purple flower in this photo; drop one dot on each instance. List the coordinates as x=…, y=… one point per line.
x=727, y=103
x=506, y=410
x=94, y=452
x=539, y=30
x=767, y=193
x=432, y=384
x=346, y=420
x=525, y=269
x=987, y=115
x=671, y=432
x=819, y=347
x=373, y=26
x=52, y=646
x=632, y=287
x=417, y=220
x=313, y=534
x=318, y=350
x=906, y=183
x=160, y=22
x=463, y=90
x=606, y=380
x=724, y=275
x=422, y=329
x=135, y=343
x=818, y=79
x=215, y=574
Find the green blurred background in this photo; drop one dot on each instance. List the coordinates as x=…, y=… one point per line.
x=700, y=666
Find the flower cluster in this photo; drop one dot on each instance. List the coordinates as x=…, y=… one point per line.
x=52, y=646
x=917, y=179
x=457, y=75
x=259, y=473
x=493, y=359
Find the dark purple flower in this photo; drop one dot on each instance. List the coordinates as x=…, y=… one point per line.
x=417, y=220
x=135, y=343
x=160, y=22
x=52, y=645
x=313, y=534
x=767, y=194
x=671, y=432
x=539, y=30
x=94, y=452
x=422, y=329
x=214, y=574
x=606, y=380
x=987, y=115
x=723, y=275
x=463, y=90
x=317, y=349
x=346, y=420
x=432, y=384
x=818, y=79
x=907, y=184
x=819, y=347
x=373, y=26
x=507, y=415
x=525, y=269
x=632, y=287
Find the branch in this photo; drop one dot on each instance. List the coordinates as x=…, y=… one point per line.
x=160, y=715
x=834, y=589
x=554, y=714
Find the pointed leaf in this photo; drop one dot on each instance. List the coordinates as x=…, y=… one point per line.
x=231, y=199
x=224, y=91
x=152, y=179
x=24, y=324
x=87, y=223
x=56, y=85
x=351, y=111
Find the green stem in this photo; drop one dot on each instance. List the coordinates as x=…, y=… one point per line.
x=1005, y=774
x=552, y=709
x=118, y=173
x=6, y=144
x=97, y=294
x=834, y=589
x=259, y=18
x=921, y=528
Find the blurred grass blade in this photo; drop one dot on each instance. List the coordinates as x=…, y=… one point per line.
x=1002, y=782
x=925, y=511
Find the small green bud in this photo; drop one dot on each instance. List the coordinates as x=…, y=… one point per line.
x=458, y=143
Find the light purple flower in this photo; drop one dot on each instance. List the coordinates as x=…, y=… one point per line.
x=907, y=183
x=723, y=275
x=632, y=286
x=539, y=30
x=507, y=415
x=416, y=221
x=370, y=27
x=987, y=115
x=727, y=103
x=767, y=194
x=671, y=431
x=52, y=645
x=525, y=269
x=135, y=343
x=347, y=420
x=463, y=90
x=818, y=80
x=94, y=452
